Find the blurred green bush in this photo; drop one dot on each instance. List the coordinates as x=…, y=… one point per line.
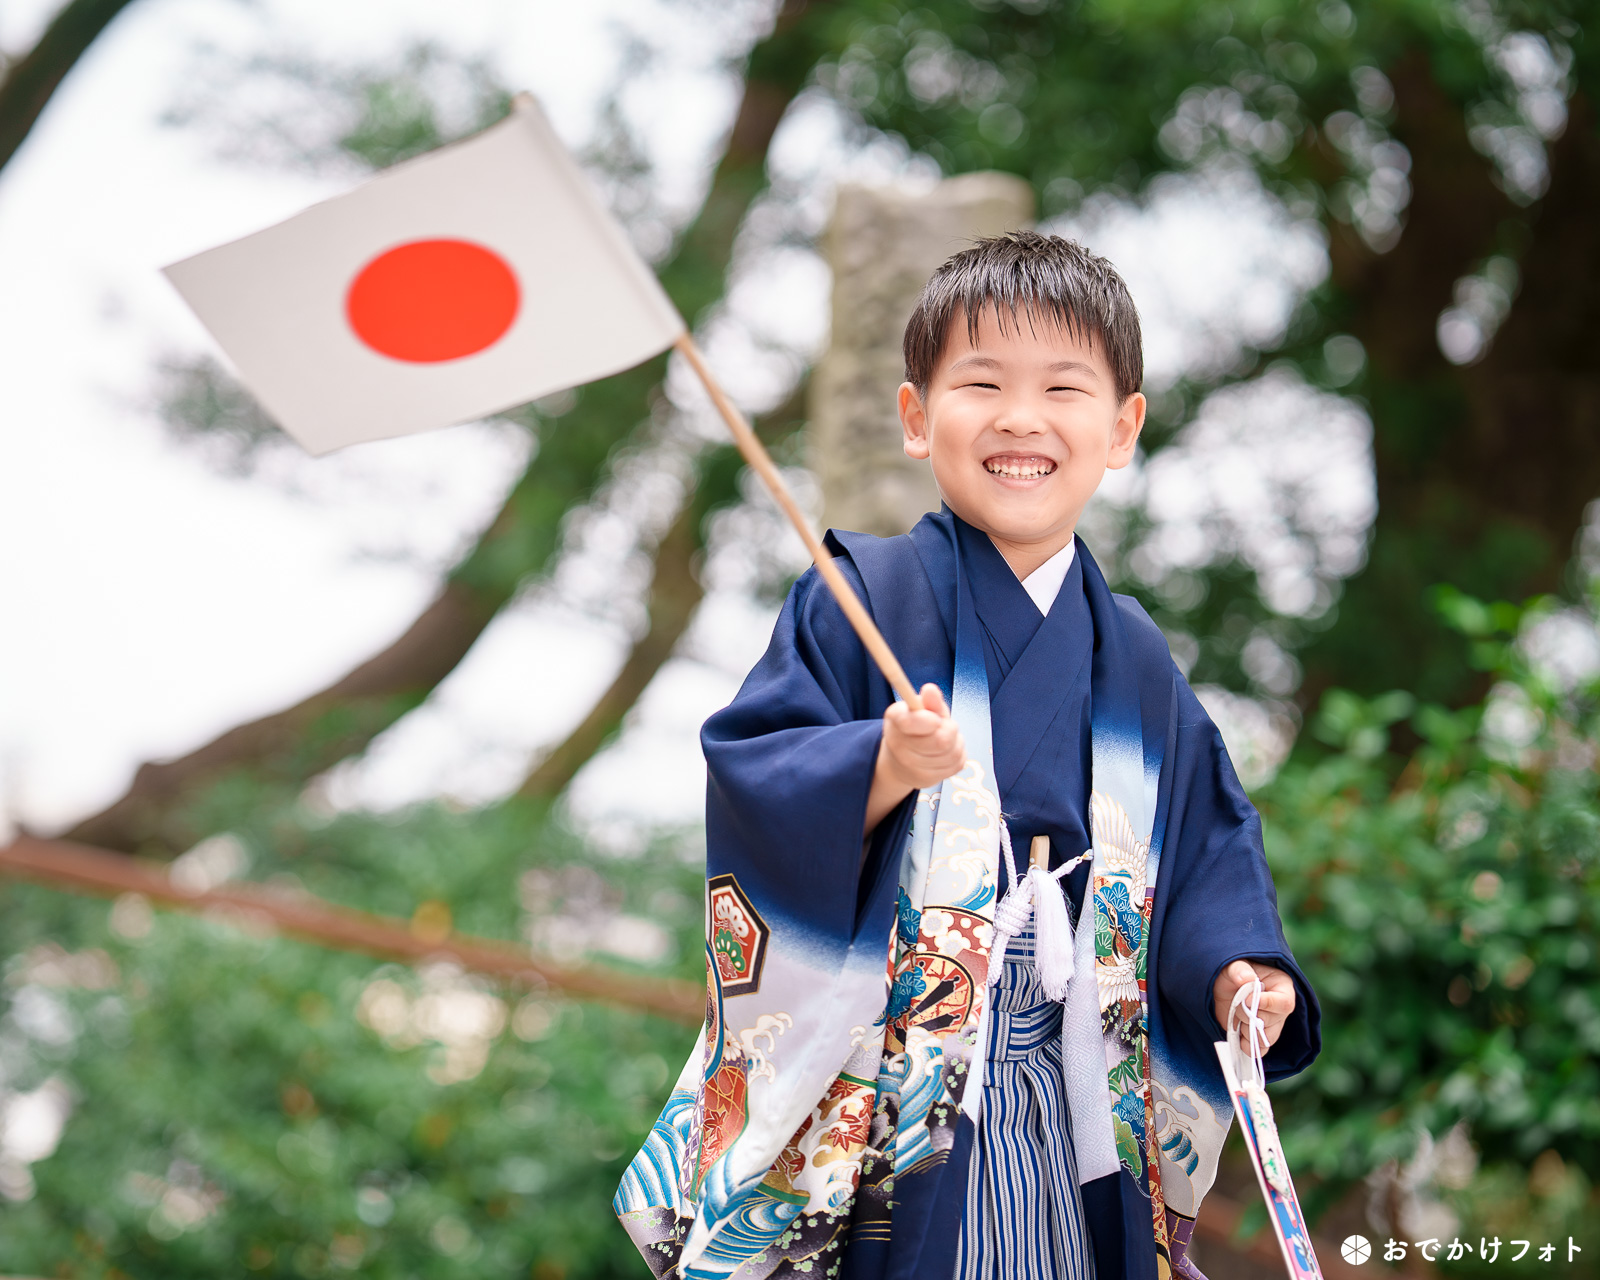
x=1445, y=909
x=248, y=1105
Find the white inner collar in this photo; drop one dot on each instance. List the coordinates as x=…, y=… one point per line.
x=1043, y=585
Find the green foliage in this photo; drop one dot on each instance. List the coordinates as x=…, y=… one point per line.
x=244, y=1104
x=1449, y=920
x=202, y=403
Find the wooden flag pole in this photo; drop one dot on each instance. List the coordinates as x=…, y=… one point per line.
x=760, y=460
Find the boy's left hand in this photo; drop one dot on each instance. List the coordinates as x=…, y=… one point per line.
x=1277, y=997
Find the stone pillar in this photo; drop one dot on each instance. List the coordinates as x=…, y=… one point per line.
x=882, y=246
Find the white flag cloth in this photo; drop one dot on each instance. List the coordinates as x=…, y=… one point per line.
x=472, y=279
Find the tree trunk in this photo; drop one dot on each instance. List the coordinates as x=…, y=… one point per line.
x=313, y=735
x=31, y=81
x=1483, y=472
x=1534, y=455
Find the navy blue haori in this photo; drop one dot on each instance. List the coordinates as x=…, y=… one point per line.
x=865, y=1101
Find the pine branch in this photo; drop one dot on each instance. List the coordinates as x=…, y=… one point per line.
x=675, y=595
x=303, y=739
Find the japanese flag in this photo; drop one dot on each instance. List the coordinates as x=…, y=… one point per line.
x=478, y=277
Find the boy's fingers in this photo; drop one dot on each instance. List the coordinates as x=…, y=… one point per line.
x=926, y=742
x=919, y=724
x=1277, y=991
x=1269, y=1032
x=1273, y=979
x=1231, y=979
x=942, y=758
x=932, y=758
x=912, y=723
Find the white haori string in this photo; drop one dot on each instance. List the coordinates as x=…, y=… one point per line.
x=1060, y=951
x=1038, y=897
x=1011, y=917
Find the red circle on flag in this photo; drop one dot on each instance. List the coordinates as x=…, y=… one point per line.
x=433, y=300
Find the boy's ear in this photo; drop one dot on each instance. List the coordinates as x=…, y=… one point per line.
x=1125, y=431
x=913, y=421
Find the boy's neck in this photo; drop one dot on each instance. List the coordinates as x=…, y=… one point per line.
x=1026, y=556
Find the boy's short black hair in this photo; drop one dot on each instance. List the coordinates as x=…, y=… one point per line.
x=1043, y=277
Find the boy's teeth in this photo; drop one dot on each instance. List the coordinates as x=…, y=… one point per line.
x=1020, y=470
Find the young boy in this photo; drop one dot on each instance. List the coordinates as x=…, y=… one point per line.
x=884, y=1087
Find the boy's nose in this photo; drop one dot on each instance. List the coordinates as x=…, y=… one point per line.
x=1018, y=420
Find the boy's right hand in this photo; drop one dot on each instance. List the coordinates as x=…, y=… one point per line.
x=920, y=749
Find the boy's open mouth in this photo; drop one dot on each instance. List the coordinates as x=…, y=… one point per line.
x=1018, y=466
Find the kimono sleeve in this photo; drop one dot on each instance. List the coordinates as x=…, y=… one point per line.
x=789, y=767
x=1223, y=906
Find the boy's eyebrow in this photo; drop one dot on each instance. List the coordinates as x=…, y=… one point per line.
x=1056, y=366
x=1073, y=366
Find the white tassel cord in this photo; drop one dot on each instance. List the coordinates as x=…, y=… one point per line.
x=1246, y=1008
x=1269, y=1146
x=1037, y=896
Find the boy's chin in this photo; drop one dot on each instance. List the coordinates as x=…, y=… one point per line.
x=1009, y=522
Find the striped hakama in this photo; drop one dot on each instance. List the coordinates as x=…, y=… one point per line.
x=1023, y=1217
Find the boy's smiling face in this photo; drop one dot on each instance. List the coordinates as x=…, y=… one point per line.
x=1020, y=426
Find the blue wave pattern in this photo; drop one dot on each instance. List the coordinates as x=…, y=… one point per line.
x=652, y=1179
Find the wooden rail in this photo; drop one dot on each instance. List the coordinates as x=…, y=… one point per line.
x=82, y=869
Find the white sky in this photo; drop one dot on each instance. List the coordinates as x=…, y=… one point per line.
x=153, y=602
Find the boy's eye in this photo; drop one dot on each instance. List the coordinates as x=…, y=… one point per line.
x=988, y=386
